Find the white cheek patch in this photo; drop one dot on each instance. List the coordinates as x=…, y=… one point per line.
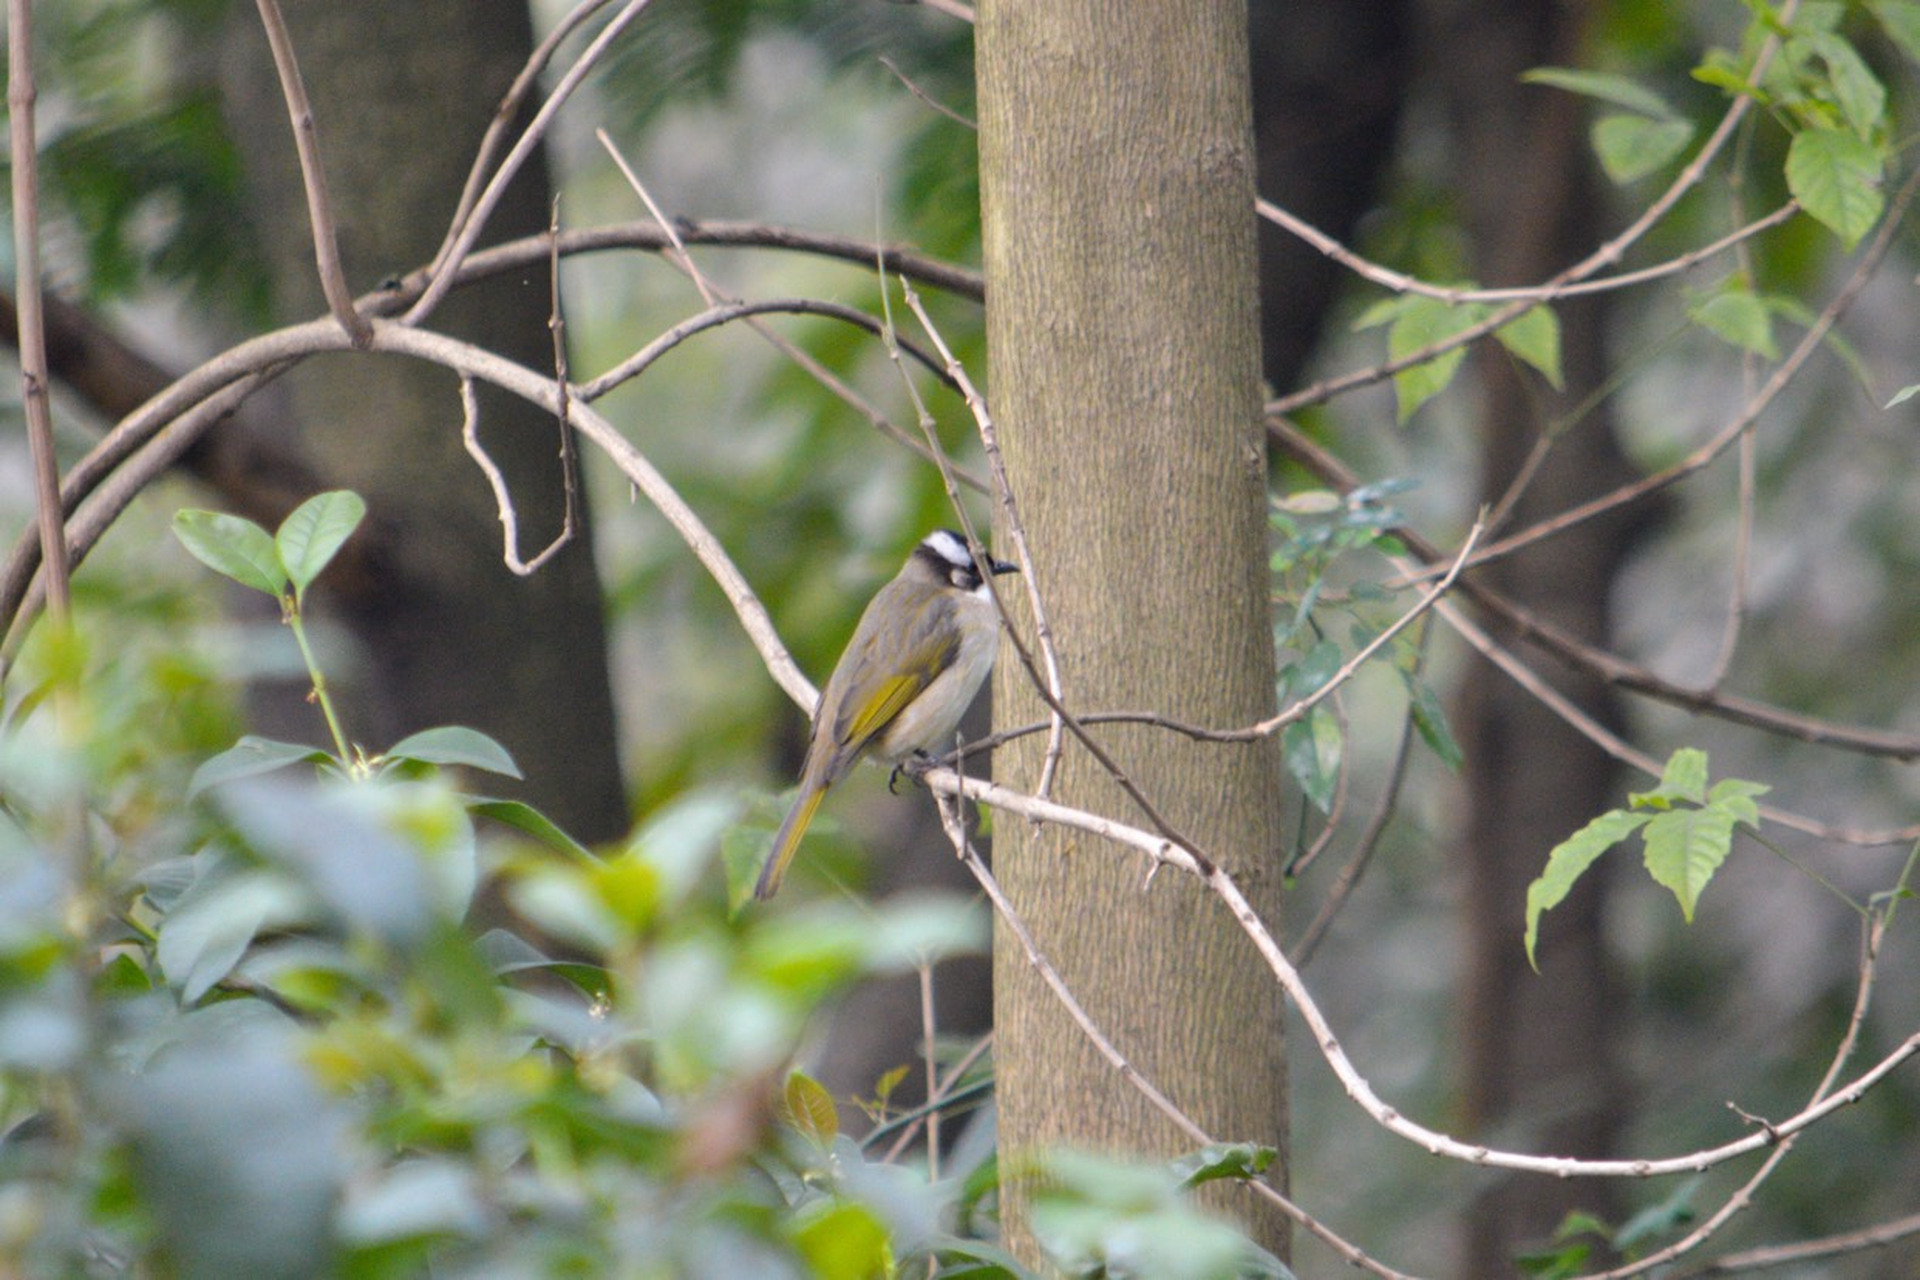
x=949, y=548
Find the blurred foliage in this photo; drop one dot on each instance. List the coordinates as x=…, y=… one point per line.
x=138, y=171
x=246, y=1027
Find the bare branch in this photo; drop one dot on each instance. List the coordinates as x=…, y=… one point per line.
x=326, y=246
x=35, y=391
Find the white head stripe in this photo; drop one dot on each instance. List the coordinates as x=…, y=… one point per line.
x=944, y=544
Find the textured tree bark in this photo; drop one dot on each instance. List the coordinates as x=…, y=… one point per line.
x=402, y=94
x=1117, y=184
x=1542, y=1069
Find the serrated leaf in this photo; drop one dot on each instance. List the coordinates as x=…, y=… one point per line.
x=309, y=538
x=1684, y=848
x=233, y=546
x=1684, y=778
x=1734, y=797
x=1312, y=748
x=1738, y=316
x=1569, y=861
x=1858, y=93
x=455, y=745
x=1836, y=177
x=1618, y=90
x=1534, y=336
x=1424, y=323
x=1631, y=147
x=810, y=1110
x=249, y=757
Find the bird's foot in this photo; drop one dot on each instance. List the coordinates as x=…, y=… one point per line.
x=913, y=766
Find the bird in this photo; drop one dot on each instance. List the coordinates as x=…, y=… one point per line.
x=917, y=658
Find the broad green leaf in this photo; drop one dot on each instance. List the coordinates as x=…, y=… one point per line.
x=809, y=1109
x=1311, y=673
x=1631, y=147
x=310, y=536
x=455, y=745
x=1901, y=21
x=1684, y=778
x=1737, y=315
x=1858, y=93
x=214, y=923
x=842, y=1240
x=1312, y=747
x=1430, y=720
x=528, y=820
x=1423, y=323
x=1569, y=861
x=1618, y=90
x=1684, y=848
x=1836, y=177
x=1734, y=797
x=250, y=756
x=1238, y=1160
x=234, y=546
x=1534, y=336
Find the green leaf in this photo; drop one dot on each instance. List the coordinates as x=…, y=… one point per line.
x=1734, y=797
x=1836, y=177
x=310, y=536
x=1858, y=93
x=1430, y=720
x=1534, y=336
x=249, y=757
x=1685, y=778
x=1423, y=323
x=1618, y=90
x=1684, y=848
x=233, y=546
x=1312, y=747
x=1903, y=395
x=842, y=1240
x=455, y=745
x=1237, y=1160
x=1737, y=315
x=529, y=821
x=1901, y=21
x=809, y=1109
x=1631, y=147
x=1569, y=861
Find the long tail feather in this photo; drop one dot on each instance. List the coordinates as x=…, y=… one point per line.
x=787, y=840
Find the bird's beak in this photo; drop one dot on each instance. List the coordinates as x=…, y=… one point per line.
x=1000, y=566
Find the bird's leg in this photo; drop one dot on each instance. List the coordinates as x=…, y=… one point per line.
x=913, y=766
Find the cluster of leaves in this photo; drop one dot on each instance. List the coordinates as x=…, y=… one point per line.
x=1321, y=537
x=1817, y=86
x=136, y=155
x=253, y=1032
x=1687, y=827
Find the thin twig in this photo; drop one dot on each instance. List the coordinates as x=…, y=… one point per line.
x=313, y=174
x=502, y=497
x=504, y=116
x=35, y=386
x=446, y=271
x=956, y=832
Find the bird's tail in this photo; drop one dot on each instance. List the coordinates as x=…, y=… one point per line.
x=786, y=841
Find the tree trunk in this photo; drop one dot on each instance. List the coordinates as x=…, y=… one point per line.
x=1541, y=1065
x=1117, y=185
x=401, y=95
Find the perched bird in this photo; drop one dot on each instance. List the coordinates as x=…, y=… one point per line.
x=918, y=656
